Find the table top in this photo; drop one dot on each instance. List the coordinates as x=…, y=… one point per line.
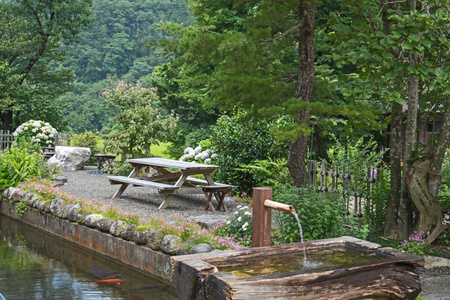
x=170, y=163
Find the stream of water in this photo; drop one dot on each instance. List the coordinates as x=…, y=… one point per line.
x=36, y=265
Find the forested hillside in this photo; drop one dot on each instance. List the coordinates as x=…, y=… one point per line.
x=115, y=46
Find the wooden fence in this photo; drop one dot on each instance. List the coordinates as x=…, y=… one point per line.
x=354, y=185
x=6, y=139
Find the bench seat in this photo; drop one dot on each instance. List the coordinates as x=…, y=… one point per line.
x=140, y=182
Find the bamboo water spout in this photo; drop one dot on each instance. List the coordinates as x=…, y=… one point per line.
x=262, y=215
x=279, y=206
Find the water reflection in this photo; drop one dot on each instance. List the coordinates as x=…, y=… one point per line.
x=35, y=265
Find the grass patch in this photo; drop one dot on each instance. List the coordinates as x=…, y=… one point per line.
x=158, y=150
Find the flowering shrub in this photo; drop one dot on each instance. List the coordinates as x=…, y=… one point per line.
x=238, y=226
x=38, y=131
x=416, y=244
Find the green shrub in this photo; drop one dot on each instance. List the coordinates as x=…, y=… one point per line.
x=20, y=162
x=237, y=144
x=89, y=140
x=321, y=215
x=269, y=173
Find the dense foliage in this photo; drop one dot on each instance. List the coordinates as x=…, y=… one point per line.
x=31, y=36
x=237, y=144
x=20, y=162
x=115, y=46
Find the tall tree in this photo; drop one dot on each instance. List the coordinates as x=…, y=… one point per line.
x=400, y=51
x=244, y=53
x=31, y=33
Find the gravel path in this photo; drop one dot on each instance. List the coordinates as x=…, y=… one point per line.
x=140, y=200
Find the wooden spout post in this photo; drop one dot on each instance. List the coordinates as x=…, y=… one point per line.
x=262, y=217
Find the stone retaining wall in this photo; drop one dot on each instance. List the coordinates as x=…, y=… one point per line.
x=140, y=257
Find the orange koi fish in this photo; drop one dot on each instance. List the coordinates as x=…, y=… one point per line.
x=113, y=281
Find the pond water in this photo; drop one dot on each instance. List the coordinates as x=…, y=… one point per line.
x=36, y=265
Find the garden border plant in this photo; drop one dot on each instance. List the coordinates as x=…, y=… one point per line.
x=187, y=230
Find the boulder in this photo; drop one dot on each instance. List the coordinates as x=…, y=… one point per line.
x=8, y=193
x=70, y=158
x=154, y=238
x=56, y=205
x=117, y=227
x=128, y=233
x=73, y=212
x=81, y=215
x=104, y=225
x=208, y=221
x=64, y=212
x=141, y=237
x=171, y=244
x=201, y=248
x=91, y=220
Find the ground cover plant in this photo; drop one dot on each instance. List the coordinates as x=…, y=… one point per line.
x=182, y=228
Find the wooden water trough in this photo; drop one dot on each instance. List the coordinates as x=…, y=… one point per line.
x=339, y=268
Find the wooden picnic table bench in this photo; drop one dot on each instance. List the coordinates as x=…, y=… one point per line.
x=174, y=178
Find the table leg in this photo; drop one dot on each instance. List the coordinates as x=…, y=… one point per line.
x=166, y=202
x=209, y=205
x=121, y=190
x=124, y=186
x=99, y=167
x=220, y=196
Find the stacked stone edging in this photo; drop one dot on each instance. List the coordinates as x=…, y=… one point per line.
x=114, y=239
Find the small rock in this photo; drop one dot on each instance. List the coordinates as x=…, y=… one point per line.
x=104, y=225
x=18, y=195
x=208, y=221
x=128, y=233
x=81, y=216
x=117, y=227
x=64, y=212
x=30, y=199
x=170, y=244
x=60, y=178
x=56, y=205
x=141, y=237
x=201, y=248
x=40, y=205
x=47, y=208
x=182, y=252
x=91, y=220
x=72, y=215
x=154, y=239
x=9, y=192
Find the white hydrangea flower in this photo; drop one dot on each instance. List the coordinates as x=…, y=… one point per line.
x=208, y=161
x=188, y=150
x=15, y=134
x=213, y=156
x=198, y=149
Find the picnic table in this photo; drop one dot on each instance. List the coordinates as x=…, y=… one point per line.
x=174, y=177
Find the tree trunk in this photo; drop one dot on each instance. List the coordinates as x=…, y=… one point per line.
x=431, y=213
x=297, y=151
x=395, y=155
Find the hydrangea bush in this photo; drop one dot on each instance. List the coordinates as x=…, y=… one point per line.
x=38, y=132
x=198, y=155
